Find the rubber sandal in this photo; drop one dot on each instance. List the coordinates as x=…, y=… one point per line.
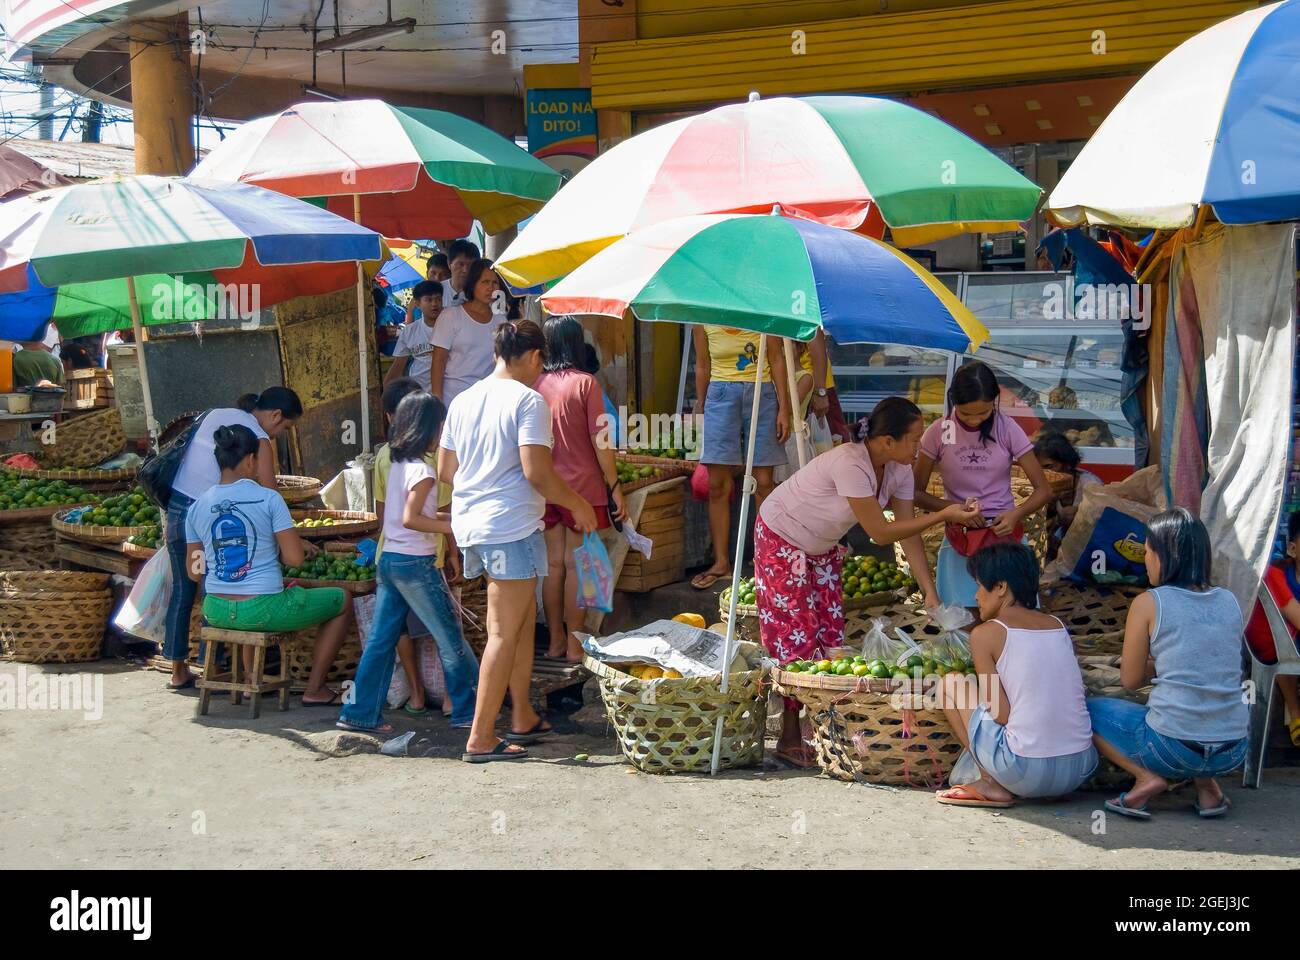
x=182, y=686
x=1209, y=812
x=1117, y=806
x=412, y=711
x=1294, y=729
x=532, y=735
x=383, y=730
x=501, y=751
x=966, y=796
x=798, y=760
x=703, y=581
x=334, y=701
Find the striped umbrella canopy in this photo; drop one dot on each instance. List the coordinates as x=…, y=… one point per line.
x=418, y=173
x=863, y=163
x=781, y=275
x=1216, y=122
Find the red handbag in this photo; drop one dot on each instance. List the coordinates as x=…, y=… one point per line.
x=967, y=541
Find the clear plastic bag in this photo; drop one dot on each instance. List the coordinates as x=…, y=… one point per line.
x=953, y=643
x=879, y=645
x=595, y=575
x=144, y=614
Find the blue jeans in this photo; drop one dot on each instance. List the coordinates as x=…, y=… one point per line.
x=176, y=644
x=411, y=583
x=1123, y=725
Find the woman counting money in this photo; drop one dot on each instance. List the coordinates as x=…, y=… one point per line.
x=797, y=551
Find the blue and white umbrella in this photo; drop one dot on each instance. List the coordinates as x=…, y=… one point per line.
x=1216, y=122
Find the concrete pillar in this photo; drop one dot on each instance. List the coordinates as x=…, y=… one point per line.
x=162, y=96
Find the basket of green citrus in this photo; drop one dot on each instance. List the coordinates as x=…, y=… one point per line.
x=142, y=546
x=319, y=524
x=327, y=569
x=29, y=498
x=111, y=520
x=864, y=582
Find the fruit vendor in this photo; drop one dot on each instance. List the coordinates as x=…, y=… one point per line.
x=267, y=415
x=236, y=534
x=974, y=448
x=797, y=552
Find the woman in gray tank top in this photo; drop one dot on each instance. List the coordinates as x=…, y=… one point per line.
x=1184, y=636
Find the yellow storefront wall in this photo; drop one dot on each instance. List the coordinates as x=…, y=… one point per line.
x=1013, y=41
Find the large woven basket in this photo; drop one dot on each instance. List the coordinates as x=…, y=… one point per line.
x=874, y=731
x=26, y=545
x=93, y=532
x=349, y=523
x=1037, y=530
x=1095, y=615
x=53, y=616
x=298, y=650
x=94, y=479
x=81, y=442
x=664, y=468
x=297, y=489
x=903, y=613
x=667, y=726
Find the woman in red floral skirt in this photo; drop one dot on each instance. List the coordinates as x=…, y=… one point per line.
x=797, y=550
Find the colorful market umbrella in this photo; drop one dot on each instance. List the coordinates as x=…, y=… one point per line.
x=1216, y=122
x=403, y=171
x=780, y=275
x=862, y=163
x=777, y=275
x=398, y=274
x=110, y=237
x=19, y=174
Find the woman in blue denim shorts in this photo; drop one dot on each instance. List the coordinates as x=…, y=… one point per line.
x=496, y=454
x=1185, y=636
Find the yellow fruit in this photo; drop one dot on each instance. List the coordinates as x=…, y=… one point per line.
x=691, y=619
x=651, y=672
x=672, y=675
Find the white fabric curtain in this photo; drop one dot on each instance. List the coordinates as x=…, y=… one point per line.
x=1245, y=288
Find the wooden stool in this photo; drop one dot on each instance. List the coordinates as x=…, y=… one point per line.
x=255, y=685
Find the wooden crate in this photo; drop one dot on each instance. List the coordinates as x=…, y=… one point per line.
x=663, y=521
x=89, y=389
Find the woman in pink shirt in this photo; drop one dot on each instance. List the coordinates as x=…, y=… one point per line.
x=974, y=448
x=797, y=551
x=584, y=458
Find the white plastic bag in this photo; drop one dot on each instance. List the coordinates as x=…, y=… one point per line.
x=144, y=614
x=879, y=645
x=953, y=644
x=819, y=434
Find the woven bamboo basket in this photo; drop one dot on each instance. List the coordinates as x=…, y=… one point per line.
x=1037, y=530
x=298, y=651
x=875, y=731
x=903, y=612
x=1095, y=615
x=36, y=584
x=297, y=489
x=35, y=513
x=96, y=479
x=671, y=467
x=26, y=545
x=137, y=552
x=94, y=533
x=667, y=726
x=43, y=629
x=81, y=442
x=661, y=474
x=355, y=587
x=348, y=523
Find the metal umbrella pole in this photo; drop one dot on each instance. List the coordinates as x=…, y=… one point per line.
x=728, y=647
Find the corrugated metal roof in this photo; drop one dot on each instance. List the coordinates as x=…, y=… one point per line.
x=80, y=161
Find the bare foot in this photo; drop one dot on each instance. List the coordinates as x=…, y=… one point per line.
x=1208, y=794
x=182, y=677
x=1143, y=789
x=991, y=790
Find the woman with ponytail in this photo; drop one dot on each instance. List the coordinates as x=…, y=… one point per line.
x=974, y=448
x=797, y=550
x=266, y=415
x=496, y=454
x=236, y=535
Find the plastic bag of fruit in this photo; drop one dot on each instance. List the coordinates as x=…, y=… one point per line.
x=952, y=646
x=879, y=645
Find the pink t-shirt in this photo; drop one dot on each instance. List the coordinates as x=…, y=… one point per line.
x=399, y=538
x=576, y=407
x=811, y=510
x=972, y=468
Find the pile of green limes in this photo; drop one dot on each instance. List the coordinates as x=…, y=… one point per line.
x=331, y=566
x=915, y=667
x=24, y=493
x=131, y=509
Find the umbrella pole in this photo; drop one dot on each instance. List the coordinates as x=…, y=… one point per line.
x=362, y=352
x=799, y=424
x=138, y=329
x=729, y=646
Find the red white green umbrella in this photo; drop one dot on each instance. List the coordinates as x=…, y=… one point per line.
x=863, y=163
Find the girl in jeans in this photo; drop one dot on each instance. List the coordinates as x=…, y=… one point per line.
x=267, y=414
x=1184, y=635
x=409, y=580
x=496, y=454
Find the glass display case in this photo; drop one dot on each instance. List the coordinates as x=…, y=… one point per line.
x=1061, y=374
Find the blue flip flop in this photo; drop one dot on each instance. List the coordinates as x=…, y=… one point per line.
x=1208, y=812
x=1117, y=806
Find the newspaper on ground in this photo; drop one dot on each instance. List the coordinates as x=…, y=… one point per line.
x=691, y=651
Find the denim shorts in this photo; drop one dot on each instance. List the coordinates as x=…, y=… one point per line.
x=952, y=581
x=519, y=560
x=1024, y=776
x=727, y=407
x=1123, y=725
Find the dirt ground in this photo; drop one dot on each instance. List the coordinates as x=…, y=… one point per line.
x=151, y=785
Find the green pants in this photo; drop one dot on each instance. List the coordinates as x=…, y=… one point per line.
x=294, y=609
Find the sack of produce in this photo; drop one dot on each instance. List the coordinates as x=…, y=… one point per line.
x=1106, y=543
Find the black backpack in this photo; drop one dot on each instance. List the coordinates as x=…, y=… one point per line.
x=158, y=472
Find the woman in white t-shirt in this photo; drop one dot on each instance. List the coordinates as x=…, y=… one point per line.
x=496, y=454
x=267, y=414
x=464, y=335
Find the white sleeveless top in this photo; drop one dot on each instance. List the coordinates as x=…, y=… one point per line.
x=1041, y=677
